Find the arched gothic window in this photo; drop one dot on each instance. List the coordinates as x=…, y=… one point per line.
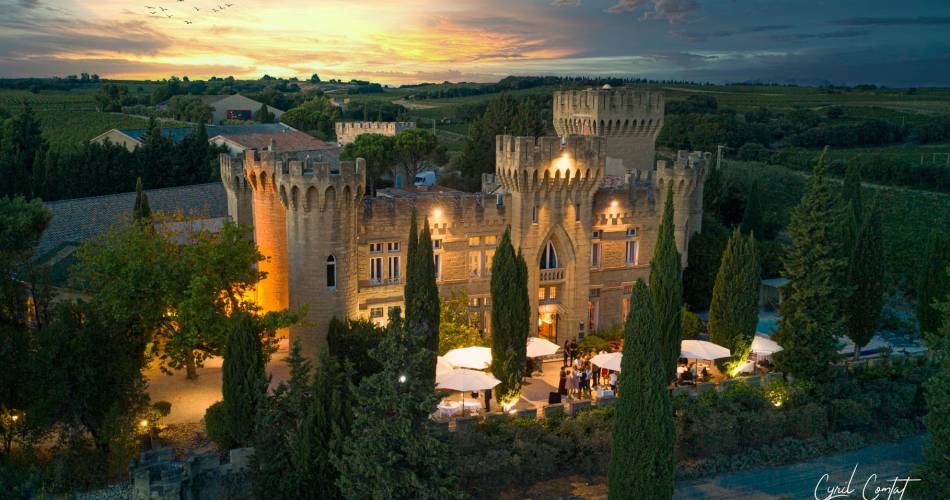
x=549, y=257
x=331, y=272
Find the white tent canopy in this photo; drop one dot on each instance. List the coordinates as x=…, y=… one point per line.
x=608, y=360
x=477, y=358
x=464, y=380
x=700, y=349
x=762, y=344
x=538, y=347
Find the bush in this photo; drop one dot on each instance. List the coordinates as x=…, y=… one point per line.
x=592, y=343
x=216, y=423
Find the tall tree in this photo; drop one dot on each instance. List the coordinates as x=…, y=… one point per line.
x=641, y=459
x=666, y=286
x=263, y=115
x=734, y=310
x=936, y=467
x=866, y=278
x=141, y=211
x=412, y=254
x=457, y=327
x=509, y=320
x=21, y=140
x=244, y=382
x=425, y=306
x=853, y=198
x=817, y=267
x=392, y=453
x=752, y=217
x=377, y=150
x=933, y=285
x=414, y=147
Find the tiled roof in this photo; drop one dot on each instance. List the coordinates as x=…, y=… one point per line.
x=286, y=141
x=81, y=219
x=177, y=134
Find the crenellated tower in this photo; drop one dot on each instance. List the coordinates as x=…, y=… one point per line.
x=686, y=173
x=629, y=120
x=551, y=182
x=322, y=205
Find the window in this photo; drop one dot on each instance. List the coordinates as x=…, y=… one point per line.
x=375, y=312
x=376, y=269
x=392, y=246
x=437, y=260
x=491, y=240
x=541, y=293
x=552, y=292
x=375, y=247
x=632, y=251
x=474, y=241
x=593, y=314
x=489, y=255
x=436, y=244
x=631, y=233
x=596, y=235
x=549, y=257
x=577, y=211
x=394, y=271
x=627, y=292
x=595, y=254
x=474, y=263
x=331, y=272
x=534, y=215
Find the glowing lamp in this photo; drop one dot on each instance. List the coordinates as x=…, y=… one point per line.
x=143, y=423
x=15, y=418
x=437, y=212
x=402, y=379
x=614, y=204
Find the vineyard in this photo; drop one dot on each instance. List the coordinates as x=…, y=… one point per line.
x=909, y=218
x=47, y=100
x=65, y=129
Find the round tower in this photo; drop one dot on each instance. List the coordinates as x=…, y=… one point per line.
x=237, y=189
x=322, y=204
x=687, y=174
x=270, y=229
x=629, y=120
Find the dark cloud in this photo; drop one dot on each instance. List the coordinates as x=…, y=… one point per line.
x=680, y=59
x=566, y=3
x=893, y=21
x=699, y=36
x=674, y=11
x=791, y=37
x=29, y=4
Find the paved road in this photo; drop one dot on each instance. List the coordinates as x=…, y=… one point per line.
x=799, y=480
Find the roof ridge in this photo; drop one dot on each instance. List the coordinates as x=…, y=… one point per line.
x=155, y=190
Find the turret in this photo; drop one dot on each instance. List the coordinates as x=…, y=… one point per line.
x=686, y=173
x=628, y=119
x=237, y=190
x=323, y=205
x=270, y=228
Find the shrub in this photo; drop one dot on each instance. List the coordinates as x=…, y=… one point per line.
x=592, y=343
x=216, y=423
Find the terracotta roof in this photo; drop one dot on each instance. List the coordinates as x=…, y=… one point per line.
x=287, y=142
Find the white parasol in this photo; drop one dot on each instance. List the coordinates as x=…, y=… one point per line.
x=477, y=358
x=538, y=347
x=700, y=349
x=608, y=360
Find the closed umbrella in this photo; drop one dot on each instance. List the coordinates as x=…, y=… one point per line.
x=700, y=349
x=464, y=380
x=477, y=358
x=608, y=360
x=538, y=347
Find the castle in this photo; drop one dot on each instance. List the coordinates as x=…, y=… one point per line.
x=587, y=236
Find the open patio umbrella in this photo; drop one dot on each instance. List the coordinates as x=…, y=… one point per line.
x=464, y=380
x=538, y=347
x=477, y=358
x=608, y=360
x=442, y=366
x=700, y=349
x=762, y=344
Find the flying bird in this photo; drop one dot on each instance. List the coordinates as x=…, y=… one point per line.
x=229, y=4
x=162, y=8
x=188, y=22
x=197, y=9
x=149, y=7
x=169, y=16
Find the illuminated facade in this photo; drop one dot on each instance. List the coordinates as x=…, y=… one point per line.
x=587, y=236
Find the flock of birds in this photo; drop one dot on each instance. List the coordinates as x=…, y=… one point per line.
x=159, y=11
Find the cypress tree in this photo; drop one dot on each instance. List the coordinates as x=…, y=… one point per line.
x=866, y=278
x=734, y=310
x=752, y=216
x=641, y=461
x=141, y=211
x=933, y=286
x=392, y=453
x=317, y=454
x=244, y=381
x=666, y=287
x=935, y=471
x=816, y=267
x=851, y=192
x=425, y=305
x=411, y=251
x=508, y=319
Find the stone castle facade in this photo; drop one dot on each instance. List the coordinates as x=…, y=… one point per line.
x=587, y=236
x=347, y=132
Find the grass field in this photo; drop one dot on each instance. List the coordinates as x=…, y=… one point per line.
x=909, y=217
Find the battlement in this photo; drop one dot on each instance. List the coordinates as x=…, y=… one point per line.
x=609, y=100
x=543, y=153
x=438, y=207
x=347, y=132
x=686, y=172
x=686, y=160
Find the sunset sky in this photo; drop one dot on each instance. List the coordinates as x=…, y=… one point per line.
x=408, y=41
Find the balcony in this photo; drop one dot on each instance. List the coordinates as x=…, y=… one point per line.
x=552, y=275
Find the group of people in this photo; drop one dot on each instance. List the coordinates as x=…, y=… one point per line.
x=578, y=375
x=688, y=373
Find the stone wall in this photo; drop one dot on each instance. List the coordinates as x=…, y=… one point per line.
x=157, y=475
x=347, y=132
